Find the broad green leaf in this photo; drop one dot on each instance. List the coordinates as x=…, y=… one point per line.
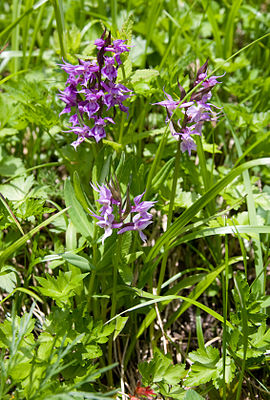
x=78, y=261
x=192, y=395
x=18, y=189
x=8, y=279
x=76, y=212
x=80, y=194
x=8, y=132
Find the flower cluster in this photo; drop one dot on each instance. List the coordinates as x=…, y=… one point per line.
x=114, y=214
x=196, y=111
x=91, y=86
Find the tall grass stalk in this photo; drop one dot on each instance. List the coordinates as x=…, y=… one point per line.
x=15, y=38
x=225, y=288
x=58, y=13
x=114, y=300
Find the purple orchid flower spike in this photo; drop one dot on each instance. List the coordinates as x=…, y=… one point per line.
x=196, y=112
x=112, y=216
x=91, y=86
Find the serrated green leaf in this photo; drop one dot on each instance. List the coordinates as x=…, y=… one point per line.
x=199, y=374
x=208, y=356
x=174, y=374
x=205, y=366
x=61, y=287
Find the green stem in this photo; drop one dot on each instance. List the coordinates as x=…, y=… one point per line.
x=170, y=214
x=60, y=27
x=215, y=244
x=121, y=129
x=225, y=289
x=113, y=307
x=93, y=275
x=156, y=161
x=114, y=13
x=169, y=221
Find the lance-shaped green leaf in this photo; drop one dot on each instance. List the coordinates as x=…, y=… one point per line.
x=76, y=212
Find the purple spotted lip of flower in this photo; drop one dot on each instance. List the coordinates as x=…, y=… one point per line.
x=113, y=216
x=196, y=111
x=91, y=86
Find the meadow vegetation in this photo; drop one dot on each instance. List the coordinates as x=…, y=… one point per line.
x=134, y=199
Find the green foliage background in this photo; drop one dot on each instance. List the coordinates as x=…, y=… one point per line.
x=188, y=313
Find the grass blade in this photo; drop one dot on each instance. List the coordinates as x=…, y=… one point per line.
x=175, y=229
x=4, y=254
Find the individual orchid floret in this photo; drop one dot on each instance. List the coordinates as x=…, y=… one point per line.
x=196, y=111
x=116, y=214
x=171, y=104
x=90, y=86
x=187, y=144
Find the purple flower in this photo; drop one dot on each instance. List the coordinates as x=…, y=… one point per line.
x=77, y=142
x=119, y=47
x=139, y=222
x=90, y=87
x=99, y=43
x=187, y=144
x=171, y=104
x=196, y=111
x=69, y=96
x=107, y=223
x=212, y=81
x=109, y=71
x=83, y=132
x=116, y=94
x=113, y=216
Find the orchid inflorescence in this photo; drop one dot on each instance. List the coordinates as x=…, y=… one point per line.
x=116, y=214
x=196, y=111
x=91, y=86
